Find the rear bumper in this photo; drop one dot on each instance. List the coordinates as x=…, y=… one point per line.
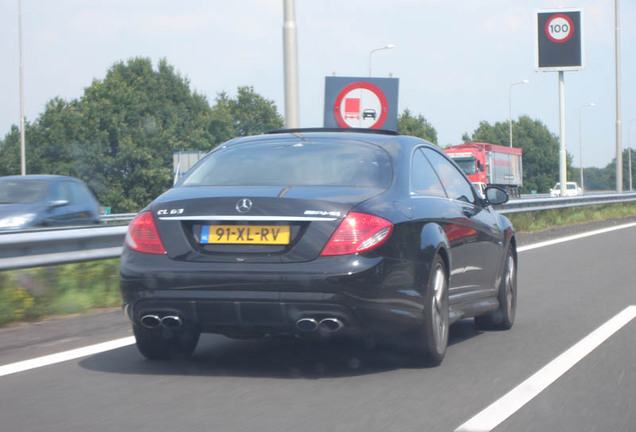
x=218, y=314
x=377, y=297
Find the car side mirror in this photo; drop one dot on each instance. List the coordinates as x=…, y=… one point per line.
x=58, y=203
x=496, y=195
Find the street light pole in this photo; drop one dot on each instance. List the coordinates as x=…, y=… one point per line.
x=525, y=81
x=290, y=59
x=619, y=129
x=589, y=104
x=22, y=143
x=388, y=46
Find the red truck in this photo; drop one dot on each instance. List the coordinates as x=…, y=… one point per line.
x=490, y=165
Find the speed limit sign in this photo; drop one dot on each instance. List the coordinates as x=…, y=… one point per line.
x=559, y=28
x=559, y=40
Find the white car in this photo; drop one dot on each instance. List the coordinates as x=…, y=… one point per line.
x=481, y=188
x=571, y=189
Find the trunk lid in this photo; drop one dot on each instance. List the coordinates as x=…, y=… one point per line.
x=254, y=223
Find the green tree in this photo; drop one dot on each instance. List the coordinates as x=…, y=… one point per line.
x=599, y=178
x=610, y=173
x=10, y=151
x=627, y=153
x=417, y=126
x=120, y=135
x=251, y=114
x=132, y=122
x=540, y=150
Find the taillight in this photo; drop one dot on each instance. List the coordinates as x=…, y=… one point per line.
x=143, y=236
x=358, y=232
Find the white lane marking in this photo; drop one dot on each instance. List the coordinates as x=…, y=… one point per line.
x=574, y=237
x=65, y=356
x=496, y=413
x=106, y=346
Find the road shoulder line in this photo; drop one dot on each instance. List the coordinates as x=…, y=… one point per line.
x=574, y=237
x=47, y=360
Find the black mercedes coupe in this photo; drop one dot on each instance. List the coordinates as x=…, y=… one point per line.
x=316, y=233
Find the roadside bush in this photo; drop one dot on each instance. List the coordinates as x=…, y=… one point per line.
x=27, y=295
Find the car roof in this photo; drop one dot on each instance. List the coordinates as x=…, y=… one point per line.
x=390, y=140
x=48, y=177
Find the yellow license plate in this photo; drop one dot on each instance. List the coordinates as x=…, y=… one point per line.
x=245, y=234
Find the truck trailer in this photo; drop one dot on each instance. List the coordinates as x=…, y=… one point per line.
x=490, y=165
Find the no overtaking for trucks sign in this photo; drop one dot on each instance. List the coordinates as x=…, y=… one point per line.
x=559, y=40
x=362, y=105
x=356, y=102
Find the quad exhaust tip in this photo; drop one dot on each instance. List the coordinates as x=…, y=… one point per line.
x=331, y=324
x=171, y=321
x=155, y=321
x=307, y=324
x=327, y=325
x=151, y=321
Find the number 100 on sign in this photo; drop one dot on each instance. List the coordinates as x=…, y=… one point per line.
x=559, y=28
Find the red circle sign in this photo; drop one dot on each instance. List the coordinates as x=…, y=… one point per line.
x=361, y=105
x=559, y=28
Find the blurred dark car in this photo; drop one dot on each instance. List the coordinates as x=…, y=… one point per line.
x=45, y=201
x=313, y=233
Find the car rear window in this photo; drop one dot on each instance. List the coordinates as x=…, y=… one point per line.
x=295, y=163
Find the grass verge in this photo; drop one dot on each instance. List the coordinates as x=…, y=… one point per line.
x=540, y=220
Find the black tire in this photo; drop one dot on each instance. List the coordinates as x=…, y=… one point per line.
x=431, y=340
x=504, y=317
x=165, y=344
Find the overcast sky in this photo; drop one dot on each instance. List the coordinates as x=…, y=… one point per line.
x=455, y=59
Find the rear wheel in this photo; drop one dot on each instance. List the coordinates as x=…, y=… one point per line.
x=504, y=317
x=431, y=339
x=164, y=344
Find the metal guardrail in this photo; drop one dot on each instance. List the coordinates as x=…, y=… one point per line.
x=36, y=248
x=529, y=205
x=123, y=217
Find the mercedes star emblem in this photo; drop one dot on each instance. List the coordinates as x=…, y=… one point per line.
x=244, y=205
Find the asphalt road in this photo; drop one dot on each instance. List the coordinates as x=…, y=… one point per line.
x=566, y=291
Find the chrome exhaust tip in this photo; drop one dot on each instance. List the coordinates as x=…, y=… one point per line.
x=331, y=324
x=307, y=324
x=171, y=321
x=150, y=321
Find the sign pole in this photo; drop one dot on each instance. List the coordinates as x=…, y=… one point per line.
x=559, y=48
x=563, y=173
